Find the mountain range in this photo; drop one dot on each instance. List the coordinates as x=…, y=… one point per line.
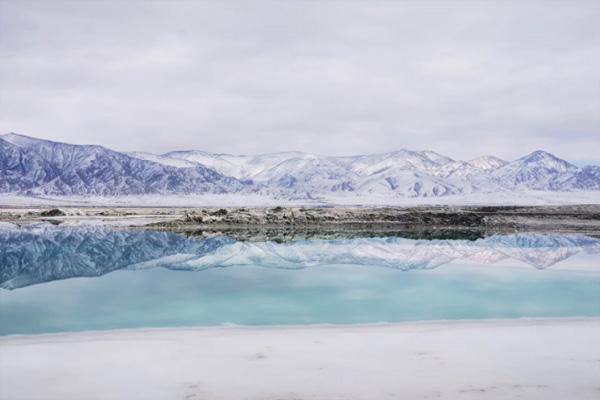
x=32, y=167
x=42, y=253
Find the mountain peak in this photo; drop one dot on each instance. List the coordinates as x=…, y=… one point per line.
x=437, y=157
x=548, y=160
x=487, y=163
x=20, y=140
x=539, y=154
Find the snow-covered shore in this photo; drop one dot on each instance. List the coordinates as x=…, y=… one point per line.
x=528, y=359
x=520, y=198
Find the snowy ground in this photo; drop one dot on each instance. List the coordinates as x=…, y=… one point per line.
x=527, y=359
x=237, y=200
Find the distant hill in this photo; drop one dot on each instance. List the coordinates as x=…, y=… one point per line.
x=30, y=166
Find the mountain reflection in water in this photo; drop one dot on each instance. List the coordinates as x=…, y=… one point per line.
x=42, y=253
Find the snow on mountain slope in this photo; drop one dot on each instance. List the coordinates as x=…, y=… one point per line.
x=408, y=183
x=314, y=174
x=308, y=173
x=487, y=163
x=587, y=178
x=253, y=165
x=466, y=177
x=20, y=140
x=36, y=166
x=214, y=161
x=456, y=169
x=18, y=170
x=423, y=161
x=436, y=157
x=539, y=170
x=173, y=162
x=399, y=173
x=33, y=166
x=238, y=166
x=244, y=167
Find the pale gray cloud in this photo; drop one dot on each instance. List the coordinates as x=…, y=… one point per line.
x=461, y=77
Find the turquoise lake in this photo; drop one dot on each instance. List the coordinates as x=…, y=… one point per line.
x=56, y=279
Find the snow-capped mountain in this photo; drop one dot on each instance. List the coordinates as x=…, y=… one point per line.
x=487, y=163
x=587, y=178
x=538, y=170
x=422, y=161
x=43, y=253
x=238, y=166
x=307, y=173
x=30, y=166
x=409, y=183
x=161, y=159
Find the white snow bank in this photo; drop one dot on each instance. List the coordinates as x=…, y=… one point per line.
x=541, y=359
x=341, y=198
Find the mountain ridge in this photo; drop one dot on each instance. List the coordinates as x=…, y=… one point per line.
x=31, y=166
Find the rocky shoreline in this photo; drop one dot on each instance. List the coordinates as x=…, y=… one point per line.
x=564, y=218
x=304, y=222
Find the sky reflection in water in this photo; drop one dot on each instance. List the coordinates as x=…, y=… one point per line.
x=158, y=279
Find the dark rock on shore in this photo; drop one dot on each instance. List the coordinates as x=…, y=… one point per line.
x=55, y=212
x=565, y=218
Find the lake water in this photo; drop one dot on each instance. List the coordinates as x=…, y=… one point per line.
x=55, y=279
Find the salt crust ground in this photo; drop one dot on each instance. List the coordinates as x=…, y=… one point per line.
x=510, y=359
x=250, y=200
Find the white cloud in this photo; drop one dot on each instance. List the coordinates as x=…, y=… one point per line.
x=463, y=78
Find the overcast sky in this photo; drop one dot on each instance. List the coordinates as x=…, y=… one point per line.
x=463, y=78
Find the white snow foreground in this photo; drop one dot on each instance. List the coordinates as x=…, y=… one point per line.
x=529, y=197
x=529, y=359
